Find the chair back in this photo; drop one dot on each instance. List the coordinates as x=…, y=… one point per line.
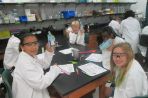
x=7, y=79
x=144, y=40
x=86, y=38
x=1, y=70
x=146, y=96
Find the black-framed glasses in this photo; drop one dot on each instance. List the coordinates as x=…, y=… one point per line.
x=31, y=43
x=119, y=55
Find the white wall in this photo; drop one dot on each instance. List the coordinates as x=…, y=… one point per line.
x=140, y=8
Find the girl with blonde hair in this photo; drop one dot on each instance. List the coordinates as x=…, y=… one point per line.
x=128, y=75
x=75, y=33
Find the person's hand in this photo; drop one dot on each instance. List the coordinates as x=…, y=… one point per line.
x=68, y=31
x=55, y=69
x=50, y=48
x=81, y=31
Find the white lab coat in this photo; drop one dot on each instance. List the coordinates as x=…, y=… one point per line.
x=29, y=80
x=106, y=54
x=130, y=30
x=76, y=38
x=11, y=52
x=142, y=48
x=135, y=83
x=116, y=26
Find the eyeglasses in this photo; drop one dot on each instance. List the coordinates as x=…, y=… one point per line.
x=31, y=43
x=119, y=55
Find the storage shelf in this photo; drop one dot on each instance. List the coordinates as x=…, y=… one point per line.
x=68, y=3
x=57, y=19
x=49, y=13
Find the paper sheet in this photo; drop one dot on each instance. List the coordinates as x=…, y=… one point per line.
x=106, y=59
x=94, y=57
x=92, y=69
x=67, y=67
x=66, y=51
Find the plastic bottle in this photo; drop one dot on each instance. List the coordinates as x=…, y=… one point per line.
x=51, y=38
x=81, y=24
x=15, y=15
x=86, y=38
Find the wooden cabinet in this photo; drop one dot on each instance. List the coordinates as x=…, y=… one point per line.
x=92, y=41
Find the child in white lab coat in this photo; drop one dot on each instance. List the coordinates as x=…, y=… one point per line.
x=109, y=40
x=76, y=33
x=130, y=29
x=129, y=77
x=29, y=80
x=115, y=24
x=142, y=48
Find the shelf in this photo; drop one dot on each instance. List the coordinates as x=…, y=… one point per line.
x=62, y=19
x=4, y=38
x=22, y=3
x=49, y=12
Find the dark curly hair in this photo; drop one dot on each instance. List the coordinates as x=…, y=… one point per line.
x=129, y=13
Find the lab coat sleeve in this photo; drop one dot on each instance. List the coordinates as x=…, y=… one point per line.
x=121, y=28
x=80, y=39
x=133, y=88
x=126, y=93
x=11, y=53
x=45, y=59
x=139, y=28
x=72, y=37
x=38, y=80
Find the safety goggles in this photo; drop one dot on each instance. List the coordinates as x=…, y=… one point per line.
x=31, y=43
x=119, y=55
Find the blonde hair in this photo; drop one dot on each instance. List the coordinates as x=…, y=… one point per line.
x=75, y=23
x=122, y=71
